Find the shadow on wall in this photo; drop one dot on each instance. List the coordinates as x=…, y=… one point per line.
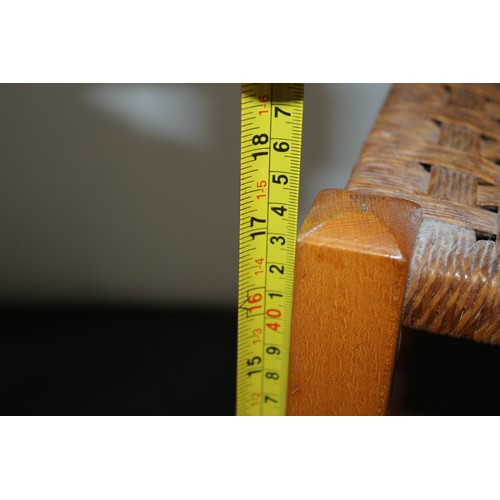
x=131, y=192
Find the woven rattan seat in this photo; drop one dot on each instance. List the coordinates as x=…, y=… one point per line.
x=412, y=241
x=439, y=146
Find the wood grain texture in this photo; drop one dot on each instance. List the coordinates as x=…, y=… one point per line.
x=352, y=261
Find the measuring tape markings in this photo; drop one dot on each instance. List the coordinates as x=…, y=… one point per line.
x=270, y=159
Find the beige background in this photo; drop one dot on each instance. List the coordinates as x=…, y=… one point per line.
x=130, y=192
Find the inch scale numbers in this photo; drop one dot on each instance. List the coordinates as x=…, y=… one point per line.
x=271, y=131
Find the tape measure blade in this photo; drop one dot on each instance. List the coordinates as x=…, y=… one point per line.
x=271, y=132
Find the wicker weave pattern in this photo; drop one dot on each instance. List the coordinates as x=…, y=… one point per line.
x=439, y=145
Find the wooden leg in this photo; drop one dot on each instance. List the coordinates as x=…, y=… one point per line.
x=352, y=261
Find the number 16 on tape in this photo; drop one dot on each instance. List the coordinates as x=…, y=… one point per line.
x=271, y=133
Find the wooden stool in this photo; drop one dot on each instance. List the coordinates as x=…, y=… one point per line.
x=411, y=242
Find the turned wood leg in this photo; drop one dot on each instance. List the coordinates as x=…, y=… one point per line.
x=352, y=260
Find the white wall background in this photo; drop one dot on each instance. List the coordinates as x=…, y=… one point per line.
x=130, y=192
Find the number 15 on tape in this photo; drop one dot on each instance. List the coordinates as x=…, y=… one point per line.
x=271, y=136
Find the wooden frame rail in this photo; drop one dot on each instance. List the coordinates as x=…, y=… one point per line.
x=352, y=263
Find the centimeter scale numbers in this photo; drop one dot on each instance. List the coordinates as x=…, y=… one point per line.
x=271, y=131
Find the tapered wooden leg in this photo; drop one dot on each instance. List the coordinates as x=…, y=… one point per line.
x=352, y=261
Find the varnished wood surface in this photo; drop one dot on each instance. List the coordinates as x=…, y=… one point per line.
x=352, y=262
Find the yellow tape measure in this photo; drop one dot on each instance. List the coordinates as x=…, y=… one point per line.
x=271, y=132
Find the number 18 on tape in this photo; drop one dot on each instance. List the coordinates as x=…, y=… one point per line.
x=271, y=132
